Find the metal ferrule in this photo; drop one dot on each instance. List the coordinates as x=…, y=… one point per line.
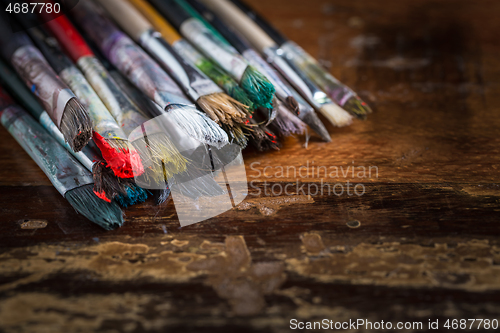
x=333, y=87
x=150, y=42
x=312, y=94
x=144, y=73
x=63, y=171
x=52, y=93
x=224, y=55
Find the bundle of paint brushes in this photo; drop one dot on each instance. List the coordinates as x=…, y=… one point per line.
x=95, y=77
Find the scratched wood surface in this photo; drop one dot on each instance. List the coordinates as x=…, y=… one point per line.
x=421, y=243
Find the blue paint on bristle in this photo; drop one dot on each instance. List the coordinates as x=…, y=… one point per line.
x=135, y=195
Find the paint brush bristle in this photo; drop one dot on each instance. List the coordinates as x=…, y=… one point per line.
x=262, y=138
x=197, y=125
x=357, y=107
x=134, y=195
x=228, y=113
x=121, y=157
x=159, y=151
x=223, y=108
x=160, y=196
x=226, y=82
x=312, y=119
x=286, y=122
x=106, y=185
x=336, y=115
x=108, y=215
x=76, y=125
x=292, y=104
x=258, y=87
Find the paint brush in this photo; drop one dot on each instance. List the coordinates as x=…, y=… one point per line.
x=228, y=36
x=119, y=104
x=257, y=86
x=59, y=101
x=191, y=55
x=87, y=156
x=70, y=178
x=233, y=16
x=146, y=74
x=285, y=124
x=209, y=97
x=258, y=136
x=339, y=92
x=109, y=136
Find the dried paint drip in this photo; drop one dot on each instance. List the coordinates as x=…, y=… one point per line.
x=271, y=205
x=353, y=224
x=32, y=224
x=125, y=163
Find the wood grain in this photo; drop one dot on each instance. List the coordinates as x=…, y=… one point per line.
x=421, y=243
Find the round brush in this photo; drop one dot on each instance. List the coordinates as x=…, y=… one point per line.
x=257, y=86
x=233, y=16
x=223, y=109
x=59, y=101
x=339, y=92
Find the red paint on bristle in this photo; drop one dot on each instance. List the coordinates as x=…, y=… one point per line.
x=102, y=195
x=124, y=163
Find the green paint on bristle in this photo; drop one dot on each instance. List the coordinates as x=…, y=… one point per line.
x=355, y=106
x=226, y=82
x=135, y=195
x=258, y=88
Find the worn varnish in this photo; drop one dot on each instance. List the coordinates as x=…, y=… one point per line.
x=421, y=243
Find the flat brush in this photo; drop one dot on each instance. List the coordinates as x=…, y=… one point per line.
x=191, y=55
x=257, y=86
x=87, y=156
x=146, y=74
x=58, y=100
x=210, y=98
x=70, y=178
x=263, y=43
x=339, y=92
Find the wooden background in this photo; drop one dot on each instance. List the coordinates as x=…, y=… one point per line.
x=426, y=244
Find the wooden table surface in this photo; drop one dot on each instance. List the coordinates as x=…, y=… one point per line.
x=421, y=243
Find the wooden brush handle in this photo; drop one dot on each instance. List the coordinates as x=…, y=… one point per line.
x=69, y=38
x=159, y=23
x=228, y=12
x=129, y=18
x=271, y=31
